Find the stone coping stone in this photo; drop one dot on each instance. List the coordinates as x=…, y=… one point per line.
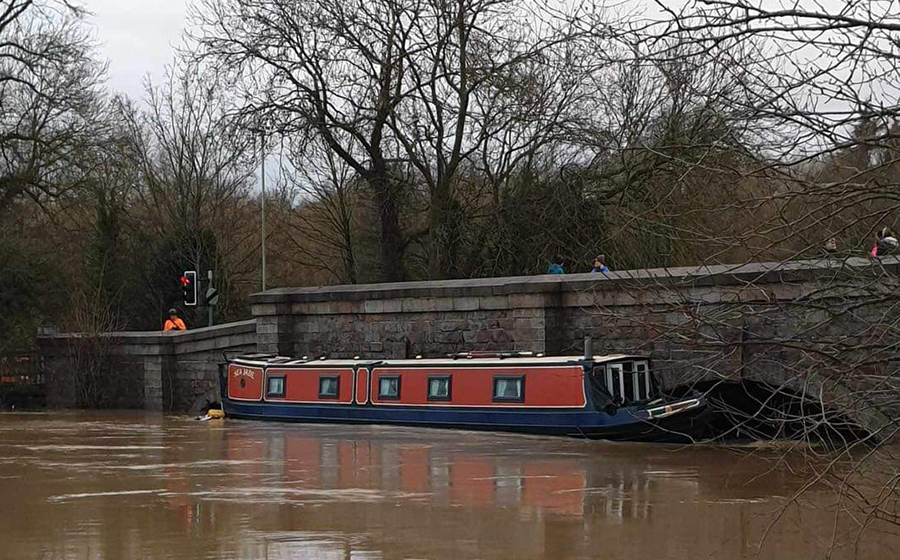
x=706, y=275
x=216, y=331
x=162, y=338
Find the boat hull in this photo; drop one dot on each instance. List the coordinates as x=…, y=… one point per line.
x=631, y=424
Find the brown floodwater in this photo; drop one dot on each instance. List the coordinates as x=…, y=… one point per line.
x=79, y=486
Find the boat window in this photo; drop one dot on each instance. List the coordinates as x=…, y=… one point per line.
x=614, y=382
x=329, y=386
x=642, y=373
x=629, y=390
x=439, y=388
x=629, y=381
x=599, y=388
x=509, y=389
x=275, y=387
x=389, y=387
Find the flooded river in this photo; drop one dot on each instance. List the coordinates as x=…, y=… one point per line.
x=86, y=486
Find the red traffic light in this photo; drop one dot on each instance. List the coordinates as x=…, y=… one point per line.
x=189, y=287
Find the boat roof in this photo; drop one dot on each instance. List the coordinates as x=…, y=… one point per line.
x=284, y=361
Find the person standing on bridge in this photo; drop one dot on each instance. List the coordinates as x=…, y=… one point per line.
x=600, y=264
x=885, y=243
x=174, y=322
x=556, y=266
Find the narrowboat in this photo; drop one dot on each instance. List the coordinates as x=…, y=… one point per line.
x=613, y=397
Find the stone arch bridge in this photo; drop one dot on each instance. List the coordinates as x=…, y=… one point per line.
x=826, y=330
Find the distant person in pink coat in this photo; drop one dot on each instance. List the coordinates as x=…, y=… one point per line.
x=885, y=243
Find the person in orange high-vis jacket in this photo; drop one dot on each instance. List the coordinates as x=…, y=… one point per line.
x=174, y=322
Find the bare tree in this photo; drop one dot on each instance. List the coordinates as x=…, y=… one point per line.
x=193, y=173
x=327, y=69
x=478, y=72
x=93, y=318
x=809, y=152
x=325, y=197
x=395, y=87
x=48, y=99
x=824, y=102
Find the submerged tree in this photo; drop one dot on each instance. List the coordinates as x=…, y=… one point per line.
x=818, y=91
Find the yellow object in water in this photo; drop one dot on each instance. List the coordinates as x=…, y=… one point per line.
x=215, y=413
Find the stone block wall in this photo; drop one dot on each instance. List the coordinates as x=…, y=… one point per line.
x=149, y=370
x=196, y=355
x=407, y=326
x=665, y=311
x=771, y=322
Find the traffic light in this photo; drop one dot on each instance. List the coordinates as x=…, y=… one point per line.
x=189, y=287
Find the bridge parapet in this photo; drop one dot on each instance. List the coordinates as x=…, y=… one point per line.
x=825, y=328
x=148, y=370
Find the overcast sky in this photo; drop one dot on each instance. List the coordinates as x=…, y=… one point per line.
x=137, y=38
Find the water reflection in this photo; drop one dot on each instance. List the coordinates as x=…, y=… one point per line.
x=125, y=486
x=617, y=485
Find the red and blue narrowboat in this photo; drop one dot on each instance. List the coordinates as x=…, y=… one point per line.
x=603, y=397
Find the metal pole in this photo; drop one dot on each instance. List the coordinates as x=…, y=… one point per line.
x=209, y=306
x=262, y=151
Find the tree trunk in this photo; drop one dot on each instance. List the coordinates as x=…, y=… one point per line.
x=441, y=231
x=391, y=240
x=348, y=256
